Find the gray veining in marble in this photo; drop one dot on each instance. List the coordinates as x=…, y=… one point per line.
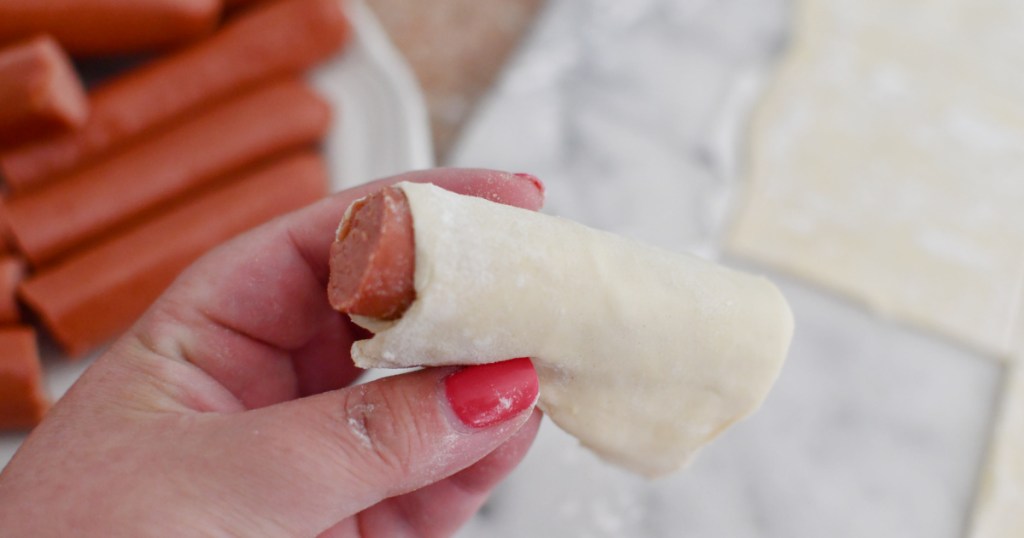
x=633, y=114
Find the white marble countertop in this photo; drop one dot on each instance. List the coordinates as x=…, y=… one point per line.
x=633, y=113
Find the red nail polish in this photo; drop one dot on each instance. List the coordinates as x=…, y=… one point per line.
x=533, y=179
x=488, y=394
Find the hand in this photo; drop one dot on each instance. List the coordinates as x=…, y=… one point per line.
x=223, y=411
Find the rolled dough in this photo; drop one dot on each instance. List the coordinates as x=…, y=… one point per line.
x=886, y=162
x=643, y=354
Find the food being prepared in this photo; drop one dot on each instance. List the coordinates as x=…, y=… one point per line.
x=40, y=93
x=266, y=42
x=180, y=161
x=644, y=355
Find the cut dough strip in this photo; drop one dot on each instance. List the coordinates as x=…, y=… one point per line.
x=643, y=354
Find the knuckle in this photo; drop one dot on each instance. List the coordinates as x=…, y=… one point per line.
x=382, y=427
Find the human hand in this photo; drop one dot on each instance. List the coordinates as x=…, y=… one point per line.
x=224, y=410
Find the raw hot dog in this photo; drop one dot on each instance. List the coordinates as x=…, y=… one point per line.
x=6, y=239
x=236, y=4
x=22, y=401
x=40, y=92
x=12, y=271
x=375, y=253
x=265, y=42
x=48, y=222
x=93, y=27
x=703, y=343
x=90, y=297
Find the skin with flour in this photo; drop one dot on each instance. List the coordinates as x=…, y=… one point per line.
x=643, y=354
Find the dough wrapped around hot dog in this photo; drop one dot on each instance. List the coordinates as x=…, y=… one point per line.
x=644, y=355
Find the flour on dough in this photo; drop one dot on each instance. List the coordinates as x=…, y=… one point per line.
x=887, y=162
x=999, y=507
x=644, y=355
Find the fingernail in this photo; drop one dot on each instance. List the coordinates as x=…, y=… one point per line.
x=489, y=394
x=533, y=179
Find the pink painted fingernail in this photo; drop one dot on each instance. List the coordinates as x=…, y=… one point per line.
x=533, y=179
x=489, y=394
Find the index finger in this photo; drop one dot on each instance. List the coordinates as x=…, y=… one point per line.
x=243, y=312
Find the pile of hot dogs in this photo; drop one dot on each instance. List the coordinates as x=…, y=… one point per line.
x=110, y=194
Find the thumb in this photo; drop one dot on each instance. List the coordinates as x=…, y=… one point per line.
x=309, y=463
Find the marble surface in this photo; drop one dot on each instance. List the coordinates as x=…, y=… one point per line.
x=634, y=113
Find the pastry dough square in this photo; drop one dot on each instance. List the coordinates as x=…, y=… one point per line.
x=887, y=162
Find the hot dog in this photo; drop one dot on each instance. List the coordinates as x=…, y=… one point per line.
x=50, y=221
x=643, y=354
x=22, y=401
x=90, y=297
x=6, y=240
x=93, y=27
x=376, y=253
x=39, y=91
x=12, y=270
x=265, y=42
x=237, y=4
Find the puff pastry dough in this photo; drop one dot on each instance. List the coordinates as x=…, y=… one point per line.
x=887, y=161
x=643, y=354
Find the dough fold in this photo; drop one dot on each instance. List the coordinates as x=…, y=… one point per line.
x=643, y=354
